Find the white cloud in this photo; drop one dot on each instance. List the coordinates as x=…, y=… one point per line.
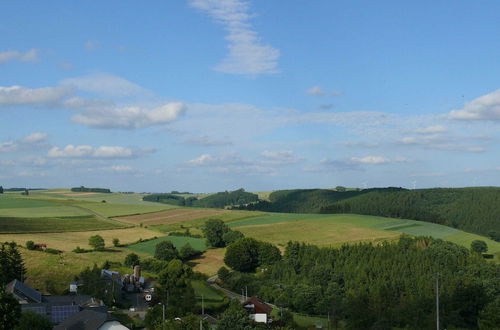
x=486, y=107
x=121, y=169
x=35, y=137
x=87, y=151
x=247, y=55
x=105, y=84
x=316, y=90
x=432, y=129
x=18, y=95
x=371, y=160
x=15, y=55
x=33, y=140
x=439, y=142
x=130, y=117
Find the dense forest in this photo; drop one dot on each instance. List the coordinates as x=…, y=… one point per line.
x=306, y=200
x=218, y=200
x=474, y=210
x=96, y=190
x=381, y=287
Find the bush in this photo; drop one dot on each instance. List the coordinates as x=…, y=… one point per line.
x=52, y=251
x=187, y=252
x=223, y=274
x=79, y=250
x=97, y=242
x=131, y=260
x=479, y=246
x=166, y=251
x=30, y=245
x=116, y=242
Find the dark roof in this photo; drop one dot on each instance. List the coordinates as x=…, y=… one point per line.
x=80, y=300
x=23, y=292
x=87, y=319
x=257, y=306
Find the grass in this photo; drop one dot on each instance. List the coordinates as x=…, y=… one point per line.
x=226, y=216
x=69, y=240
x=11, y=201
x=211, y=297
x=53, y=224
x=332, y=229
x=210, y=262
x=321, y=232
x=178, y=215
x=61, y=269
x=148, y=247
x=43, y=212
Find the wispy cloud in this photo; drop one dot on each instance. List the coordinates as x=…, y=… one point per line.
x=15, y=55
x=318, y=91
x=33, y=140
x=105, y=84
x=486, y=107
x=130, y=117
x=432, y=129
x=279, y=157
x=247, y=54
x=18, y=95
x=91, y=45
x=93, y=152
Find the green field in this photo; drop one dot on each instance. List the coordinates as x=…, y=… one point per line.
x=56, y=224
x=211, y=297
x=178, y=241
x=335, y=229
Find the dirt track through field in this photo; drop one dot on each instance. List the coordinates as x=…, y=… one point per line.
x=169, y=216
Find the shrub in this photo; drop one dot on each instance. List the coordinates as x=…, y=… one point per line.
x=131, y=260
x=116, y=242
x=79, y=250
x=52, y=251
x=30, y=245
x=97, y=242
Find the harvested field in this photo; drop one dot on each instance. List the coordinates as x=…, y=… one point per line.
x=69, y=240
x=170, y=216
x=210, y=262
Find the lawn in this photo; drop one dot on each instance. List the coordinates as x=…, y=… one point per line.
x=55, y=224
x=148, y=247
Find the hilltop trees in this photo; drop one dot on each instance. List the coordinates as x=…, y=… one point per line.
x=1, y=190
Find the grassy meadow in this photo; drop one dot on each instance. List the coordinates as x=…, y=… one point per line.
x=148, y=247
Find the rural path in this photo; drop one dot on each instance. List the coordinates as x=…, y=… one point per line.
x=232, y=295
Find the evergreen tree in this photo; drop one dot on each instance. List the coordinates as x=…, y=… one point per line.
x=10, y=310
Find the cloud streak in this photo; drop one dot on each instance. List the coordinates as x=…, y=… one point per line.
x=247, y=54
x=15, y=55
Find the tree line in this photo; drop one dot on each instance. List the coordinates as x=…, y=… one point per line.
x=474, y=210
x=96, y=190
x=380, y=287
x=218, y=200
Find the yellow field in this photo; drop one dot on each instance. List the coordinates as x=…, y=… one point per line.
x=170, y=216
x=45, y=270
x=210, y=262
x=317, y=232
x=69, y=240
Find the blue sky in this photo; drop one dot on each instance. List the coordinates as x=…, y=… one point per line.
x=206, y=95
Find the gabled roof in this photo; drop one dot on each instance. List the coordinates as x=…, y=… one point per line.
x=257, y=306
x=85, y=320
x=23, y=292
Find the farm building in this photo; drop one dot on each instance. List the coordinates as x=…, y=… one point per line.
x=95, y=319
x=259, y=311
x=55, y=308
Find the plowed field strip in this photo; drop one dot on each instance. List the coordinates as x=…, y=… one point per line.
x=169, y=216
